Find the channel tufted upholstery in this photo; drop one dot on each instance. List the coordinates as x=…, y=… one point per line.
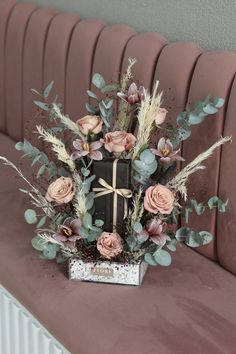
x=188, y=308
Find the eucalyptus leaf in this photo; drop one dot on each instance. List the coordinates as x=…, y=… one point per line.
x=48, y=89
x=206, y=237
x=90, y=108
x=42, y=222
x=38, y=243
x=148, y=258
x=99, y=223
x=19, y=146
x=98, y=81
x=85, y=171
x=50, y=252
x=110, y=88
x=137, y=227
x=92, y=95
x=109, y=104
x=30, y=216
x=210, y=109
x=87, y=221
x=162, y=257
x=218, y=102
x=147, y=156
x=42, y=105
x=41, y=171
x=89, y=200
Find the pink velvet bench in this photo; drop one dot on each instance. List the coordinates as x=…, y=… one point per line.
x=187, y=308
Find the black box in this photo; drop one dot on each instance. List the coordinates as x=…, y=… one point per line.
x=104, y=204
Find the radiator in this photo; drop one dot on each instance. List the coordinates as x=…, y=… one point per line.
x=21, y=333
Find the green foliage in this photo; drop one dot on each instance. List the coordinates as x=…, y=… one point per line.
x=192, y=238
x=50, y=251
x=99, y=223
x=188, y=118
x=35, y=155
x=98, y=81
x=38, y=243
x=144, y=167
x=149, y=259
x=199, y=208
x=216, y=202
x=162, y=257
x=47, y=250
x=110, y=88
x=137, y=227
x=48, y=89
x=30, y=216
x=192, y=205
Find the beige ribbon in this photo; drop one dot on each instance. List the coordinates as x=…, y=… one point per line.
x=107, y=189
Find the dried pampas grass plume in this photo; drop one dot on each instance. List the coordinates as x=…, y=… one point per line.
x=178, y=183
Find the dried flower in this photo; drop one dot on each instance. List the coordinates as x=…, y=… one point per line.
x=69, y=232
x=166, y=152
x=134, y=94
x=61, y=191
x=85, y=149
x=160, y=116
x=109, y=245
x=118, y=141
x=155, y=230
x=90, y=124
x=160, y=199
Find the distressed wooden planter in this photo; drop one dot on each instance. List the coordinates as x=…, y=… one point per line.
x=107, y=272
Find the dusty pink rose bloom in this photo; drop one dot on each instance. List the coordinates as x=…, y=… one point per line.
x=118, y=141
x=90, y=124
x=160, y=199
x=109, y=245
x=86, y=149
x=160, y=116
x=155, y=230
x=61, y=191
x=134, y=94
x=166, y=152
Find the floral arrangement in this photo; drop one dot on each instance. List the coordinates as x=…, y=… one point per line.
x=116, y=187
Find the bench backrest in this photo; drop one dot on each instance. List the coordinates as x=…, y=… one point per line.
x=38, y=45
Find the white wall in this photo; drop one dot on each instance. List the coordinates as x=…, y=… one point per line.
x=210, y=23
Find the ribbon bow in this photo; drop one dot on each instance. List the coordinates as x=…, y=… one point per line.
x=107, y=189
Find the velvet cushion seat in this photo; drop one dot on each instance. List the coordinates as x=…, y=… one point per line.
x=186, y=308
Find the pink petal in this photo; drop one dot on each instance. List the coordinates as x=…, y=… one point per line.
x=95, y=145
x=156, y=152
x=59, y=237
x=132, y=89
x=165, y=159
x=76, y=225
x=78, y=144
x=154, y=227
x=169, y=145
x=68, y=221
x=74, y=238
x=75, y=155
x=96, y=155
x=161, y=144
x=143, y=236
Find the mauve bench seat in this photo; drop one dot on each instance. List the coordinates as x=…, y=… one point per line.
x=186, y=308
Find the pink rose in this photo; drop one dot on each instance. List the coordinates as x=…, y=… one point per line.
x=109, y=245
x=118, y=141
x=61, y=191
x=90, y=124
x=160, y=116
x=160, y=199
